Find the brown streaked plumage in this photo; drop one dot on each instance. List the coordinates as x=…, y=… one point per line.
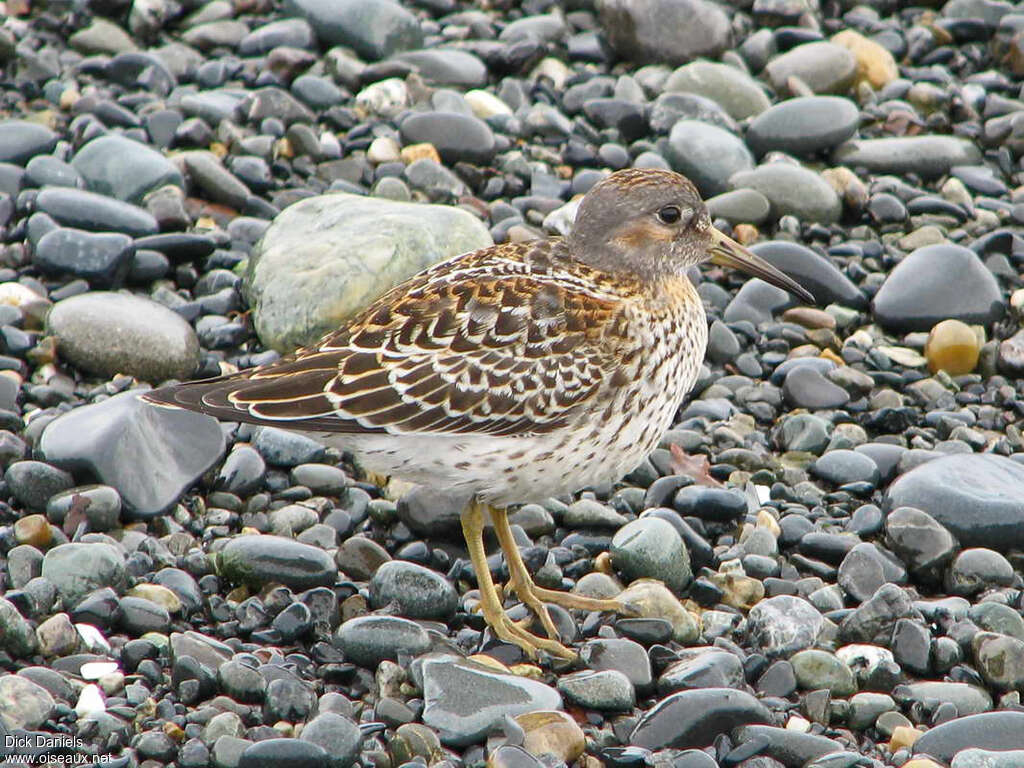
x=514, y=372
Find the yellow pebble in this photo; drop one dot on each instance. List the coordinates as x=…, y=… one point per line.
x=921, y=762
x=952, y=347
x=875, y=64
x=415, y=152
x=551, y=732
x=903, y=736
x=34, y=530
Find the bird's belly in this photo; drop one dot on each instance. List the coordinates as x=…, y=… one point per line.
x=605, y=440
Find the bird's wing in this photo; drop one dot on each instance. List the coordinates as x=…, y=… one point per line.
x=494, y=342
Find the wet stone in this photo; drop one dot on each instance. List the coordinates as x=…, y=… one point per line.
x=109, y=333
x=708, y=155
x=803, y=126
x=696, y=718
x=274, y=559
x=977, y=498
x=102, y=259
x=124, y=169
x=927, y=156
x=792, y=191
x=706, y=669
x=80, y=209
x=651, y=548
x=169, y=450
x=416, y=592
x=77, y=569
x=367, y=640
x=915, y=298
x=463, y=700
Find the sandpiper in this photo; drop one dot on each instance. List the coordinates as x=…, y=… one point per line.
x=513, y=373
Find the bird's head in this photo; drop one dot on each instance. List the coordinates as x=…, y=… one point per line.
x=653, y=223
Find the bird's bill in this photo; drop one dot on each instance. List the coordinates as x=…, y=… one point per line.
x=726, y=252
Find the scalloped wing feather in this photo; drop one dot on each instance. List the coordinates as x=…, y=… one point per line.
x=508, y=340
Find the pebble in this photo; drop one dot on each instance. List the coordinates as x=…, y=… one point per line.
x=987, y=730
x=695, y=718
x=605, y=690
x=416, y=592
x=80, y=209
x=102, y=259
x=76, y=569
x=552, y=732
x=803, y=126
x=23, y=704
x=813, y=271
x=463, y=700
x=22, y=140
x=665, y=31
x=926, y=156
x=823, y=67
x=952, y=347
x=337, y=735
x=110, y=333
x=784, y=624
x=708, y=155
x=977, y=500
x=455, y=136
x=374, y=29
x=737, y=93
x=273, y=559
x=367, y=640
x=124, y=169
x=791, y=190
x=366, y=245
x=95, y=439
x=651, y=548
x=147, y=150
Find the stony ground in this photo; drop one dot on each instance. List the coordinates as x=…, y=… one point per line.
x=826, y=548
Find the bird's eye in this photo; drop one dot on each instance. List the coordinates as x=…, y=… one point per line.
x=670, y=214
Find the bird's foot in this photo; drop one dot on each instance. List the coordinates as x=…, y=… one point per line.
x=509, y=631
x=577, y=602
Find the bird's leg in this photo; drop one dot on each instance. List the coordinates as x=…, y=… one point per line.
x=533, y=596
x=490, y=603
x=519, y=577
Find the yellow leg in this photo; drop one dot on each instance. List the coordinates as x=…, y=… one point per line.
x=490, y=602
x=518, y=575
x=533, y=596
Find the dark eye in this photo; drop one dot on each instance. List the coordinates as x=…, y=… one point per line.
x=670, y=214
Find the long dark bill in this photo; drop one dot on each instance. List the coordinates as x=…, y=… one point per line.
x=726, y=252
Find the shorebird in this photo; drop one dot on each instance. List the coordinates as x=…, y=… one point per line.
x=513, y=373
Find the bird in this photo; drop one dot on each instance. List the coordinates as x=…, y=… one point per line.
x=513, y=373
